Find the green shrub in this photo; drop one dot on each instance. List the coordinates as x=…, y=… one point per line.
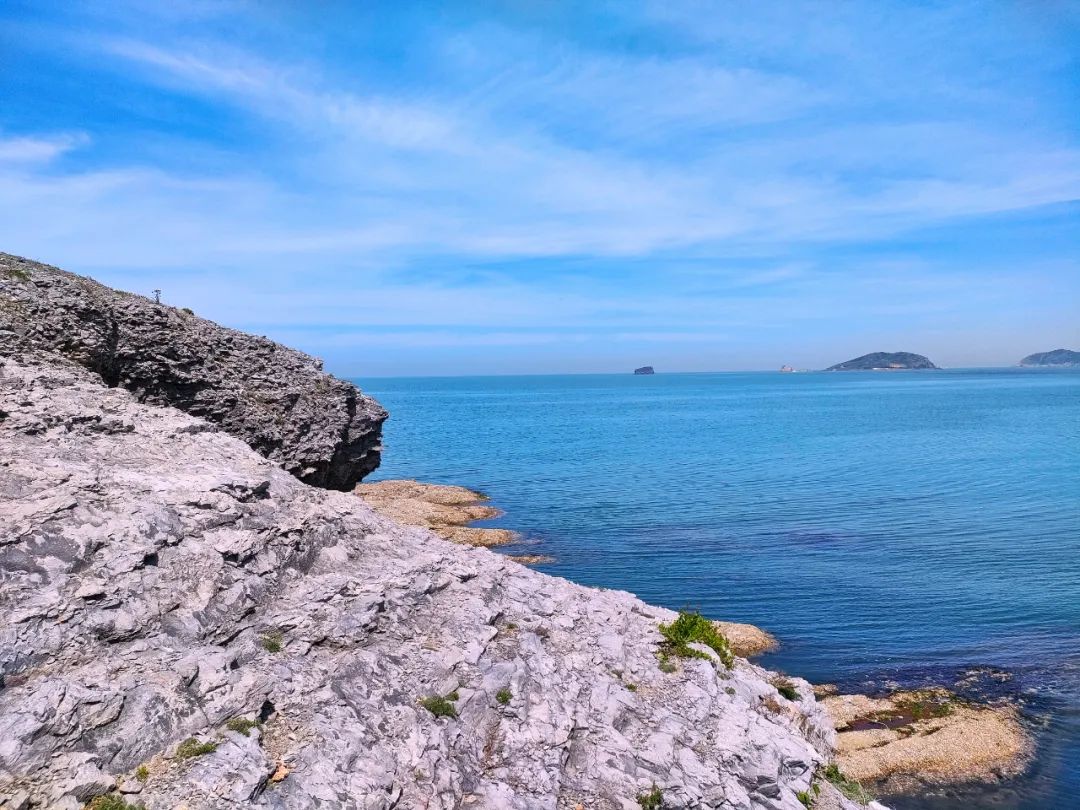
x=632, y=687
x=804, y=797
x=441, y=706
x=142, y=773
x=503, y=696
x=666, y=664
x=690, y=628
x=273, y=641
x=849, y=787
x=786, y=688
x=191, y=747
x=112, y=801
x=241, y=725
x=653, y=800
x=187, y=310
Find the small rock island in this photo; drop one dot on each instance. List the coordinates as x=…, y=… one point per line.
x=1057, y=357
x=645, y=370
x=885, y=361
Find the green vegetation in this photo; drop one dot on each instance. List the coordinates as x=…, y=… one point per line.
x=691, y=628
x=921, y=708
x=187, y=310
x=730, y=690
x=241, y=725
x=786, y=688
x=666, y=664
x=653, y=800
x=804, y=797
x=193, y=748
x=142, y=773
x=632, y=687
x=273, y=641
x=441, y=706
x=849, y=787
x=17, y=273
x=503, y=696
x=112, y=801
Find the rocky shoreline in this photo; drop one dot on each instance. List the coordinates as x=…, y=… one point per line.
x=191, y=615
x=899, y=743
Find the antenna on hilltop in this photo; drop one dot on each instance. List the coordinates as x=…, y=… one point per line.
x=157, y=296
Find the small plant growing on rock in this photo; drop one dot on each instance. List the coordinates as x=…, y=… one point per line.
x=111, y=801
x=786, y=688
x=653, y=800
x=666, y=664
x=241, y=725
x=191, y=747
x=441, y=706
x=142, y=773
x=632, y=687
x=849, y=787
x=691, y=628
x=503, y=696
x=272, y=641
x=804, y=798
x=187, y=310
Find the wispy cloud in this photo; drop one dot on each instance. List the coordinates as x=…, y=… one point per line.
x=696, y=171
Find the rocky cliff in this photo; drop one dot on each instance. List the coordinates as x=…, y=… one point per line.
x=277, y=400
x=183, y=624
x=884, y=360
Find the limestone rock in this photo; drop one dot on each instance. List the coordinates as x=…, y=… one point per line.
x=161, y=580
x=278, y=400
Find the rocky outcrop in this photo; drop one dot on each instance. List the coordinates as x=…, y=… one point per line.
x=884, y=361
x=645, y=370
x=1057, y=357
x=909, y=740
x=278, y=400
x=182, y=620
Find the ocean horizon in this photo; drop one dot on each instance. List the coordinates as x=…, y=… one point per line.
x=909, y=529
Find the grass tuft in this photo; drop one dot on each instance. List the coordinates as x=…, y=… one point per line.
x=503, y=696
x=693, y=628
x=786, y=688
x=241, y=725
x=653, y=800
x=441, y=706
x=112, y=801
x=849, y=787
x=273, y=641
x=191, y=747
x=142, y=773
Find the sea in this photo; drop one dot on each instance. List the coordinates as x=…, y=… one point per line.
x=890, y=528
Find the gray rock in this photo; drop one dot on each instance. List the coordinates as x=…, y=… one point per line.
x=321, y=429
x=158, y=581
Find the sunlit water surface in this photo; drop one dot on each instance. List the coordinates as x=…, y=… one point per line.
x=903, y=527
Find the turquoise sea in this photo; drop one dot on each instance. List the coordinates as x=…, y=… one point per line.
x=910, y=528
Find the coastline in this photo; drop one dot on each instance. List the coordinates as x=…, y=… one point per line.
x=897, y=744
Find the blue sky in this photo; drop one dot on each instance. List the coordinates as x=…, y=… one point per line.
x=531, y=186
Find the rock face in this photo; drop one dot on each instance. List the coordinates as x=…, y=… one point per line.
x=161, y=581
x=884, y=360
x=645, y=370
x=276, y=399
x=1057, y=357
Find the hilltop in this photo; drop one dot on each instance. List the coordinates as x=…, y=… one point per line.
x=884, y=360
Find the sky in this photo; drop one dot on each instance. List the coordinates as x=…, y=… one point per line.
x=531, y=186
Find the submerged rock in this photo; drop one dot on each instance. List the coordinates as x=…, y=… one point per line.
x=183, y=620
x=321, y=429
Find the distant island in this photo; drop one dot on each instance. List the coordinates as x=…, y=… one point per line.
x=645, y=370
x=1057, y=357
x=888, y=361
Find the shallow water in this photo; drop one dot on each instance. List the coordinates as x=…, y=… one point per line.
x=887, y=527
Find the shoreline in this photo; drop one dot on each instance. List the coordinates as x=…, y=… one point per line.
x=897, y=744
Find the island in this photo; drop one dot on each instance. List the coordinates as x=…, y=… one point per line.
x=645, y=370
x=1057, y=357
x=885, y=361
